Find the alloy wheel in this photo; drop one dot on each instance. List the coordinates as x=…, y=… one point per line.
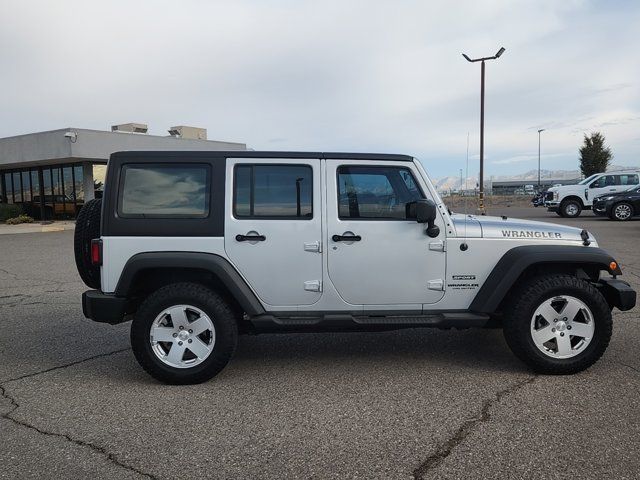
x=562, y=327
x=182, y=336
x=622, y=211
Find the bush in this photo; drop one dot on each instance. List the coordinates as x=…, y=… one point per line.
x=19, y=219
x=9, y=211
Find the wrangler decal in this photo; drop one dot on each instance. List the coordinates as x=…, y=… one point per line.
x=529, y=234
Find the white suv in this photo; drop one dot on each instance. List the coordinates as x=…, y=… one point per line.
x=570, y=200
x=199, y=247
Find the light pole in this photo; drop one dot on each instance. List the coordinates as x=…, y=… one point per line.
x=460, y=181
x=539, y=132
x=497, y=55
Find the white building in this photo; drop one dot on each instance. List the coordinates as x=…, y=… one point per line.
x=52, y=173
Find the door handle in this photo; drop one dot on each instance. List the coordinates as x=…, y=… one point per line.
x=250, y=238
x=346, y=238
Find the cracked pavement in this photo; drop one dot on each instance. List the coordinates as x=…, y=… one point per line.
x=408, y=404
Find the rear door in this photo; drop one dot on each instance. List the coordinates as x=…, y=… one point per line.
x=273, y=227
x=376, y=256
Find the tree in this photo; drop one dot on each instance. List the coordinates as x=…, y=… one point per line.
x=595, y=157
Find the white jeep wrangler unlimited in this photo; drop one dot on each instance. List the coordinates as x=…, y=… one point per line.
x=198, y=247
x=569, y=200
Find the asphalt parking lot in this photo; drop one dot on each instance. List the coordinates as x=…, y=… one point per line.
x=413, y=403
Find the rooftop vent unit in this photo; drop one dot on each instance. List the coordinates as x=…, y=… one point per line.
x=130, y=128
x=191, y=133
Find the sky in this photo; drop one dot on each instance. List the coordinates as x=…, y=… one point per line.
x=363, y=76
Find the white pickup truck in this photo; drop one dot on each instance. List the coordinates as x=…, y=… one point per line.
x=570, y=200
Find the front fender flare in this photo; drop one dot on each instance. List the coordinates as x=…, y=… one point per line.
x=515, y=261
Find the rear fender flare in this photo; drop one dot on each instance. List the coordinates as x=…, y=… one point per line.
x=214, y=264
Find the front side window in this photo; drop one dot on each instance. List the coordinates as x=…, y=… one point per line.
x=376, y=192
x=606, y=181
x=166, y=191
x=273, y=191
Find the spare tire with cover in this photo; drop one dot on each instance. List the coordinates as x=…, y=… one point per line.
x=87, y=228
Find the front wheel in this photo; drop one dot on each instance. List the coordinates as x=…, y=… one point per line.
x=558, y=324
x=622, y=211
x=570, y=208
x=184, y=333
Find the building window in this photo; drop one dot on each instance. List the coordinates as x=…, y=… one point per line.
x=273, y=191
x=78, y=183
x=164, y=191
x=35, y=185
x=8, y=185
x=26, y=187
x=375, y=192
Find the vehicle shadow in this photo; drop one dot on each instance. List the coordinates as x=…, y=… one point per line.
x=420, y=351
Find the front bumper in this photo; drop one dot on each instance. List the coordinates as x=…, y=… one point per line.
x=600, y=208
x=618, y=293
x=104, y=308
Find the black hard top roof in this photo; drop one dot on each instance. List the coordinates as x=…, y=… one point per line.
x=264, y=154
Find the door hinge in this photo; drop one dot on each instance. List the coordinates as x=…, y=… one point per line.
x=438, y=246
x=313, y=247
x=437, y=284
x=313, y=286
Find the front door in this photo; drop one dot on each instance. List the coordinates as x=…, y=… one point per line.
x=376, y=256
x=273, y=228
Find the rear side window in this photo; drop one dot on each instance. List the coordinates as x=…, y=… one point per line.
x=273, y=191
x=164, y=191
x=375, y=192
x=629, y=179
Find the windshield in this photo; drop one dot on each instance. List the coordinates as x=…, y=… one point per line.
x=588, y=179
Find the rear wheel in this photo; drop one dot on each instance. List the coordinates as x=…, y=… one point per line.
x=622, y=211
x=570, y=208
x=87, y=228
x=558, y=324
x=184, y=333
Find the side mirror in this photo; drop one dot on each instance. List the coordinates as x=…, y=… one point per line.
x=426, y=212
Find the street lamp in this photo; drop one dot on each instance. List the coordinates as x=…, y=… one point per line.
x=539, y=132
x=472, y=60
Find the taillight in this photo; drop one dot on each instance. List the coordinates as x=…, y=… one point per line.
x=96, y=251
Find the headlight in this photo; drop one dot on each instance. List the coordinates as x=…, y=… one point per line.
x=607, y=198
x=556, y=195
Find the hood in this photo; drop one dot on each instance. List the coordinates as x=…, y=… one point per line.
x=517, y=229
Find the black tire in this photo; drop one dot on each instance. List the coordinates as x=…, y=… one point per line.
x=87, y=228
x=616, y=211
x=519, y=313
x=570, y=208
x=218, y=310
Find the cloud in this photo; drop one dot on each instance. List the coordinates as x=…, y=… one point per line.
x=357, y=76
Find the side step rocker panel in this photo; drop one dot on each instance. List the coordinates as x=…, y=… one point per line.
x=354, y=323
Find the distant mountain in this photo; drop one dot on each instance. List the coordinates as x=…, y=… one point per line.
x=544, y=174
x=453, y=182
